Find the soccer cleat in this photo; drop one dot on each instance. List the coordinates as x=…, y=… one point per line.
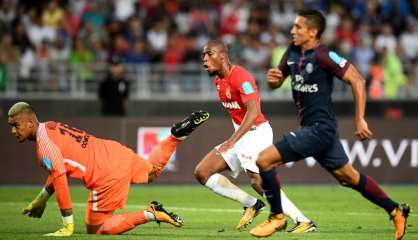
x=303, y=227
x=270, y=226
x=399, y=216
x=249, y=214
x=183, y=129
x=161, y=215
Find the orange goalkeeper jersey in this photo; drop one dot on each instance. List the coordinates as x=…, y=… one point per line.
x=62, y=149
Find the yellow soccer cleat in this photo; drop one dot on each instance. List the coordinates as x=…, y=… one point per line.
x=161, y=215
x=270, y=226
x=399, y=216
x=249, y=214
x=66, y=231
x=303, y=227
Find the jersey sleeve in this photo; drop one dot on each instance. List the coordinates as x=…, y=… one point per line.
x=62, y=192
x=283, y=67
x=246, y=86
x=332, y=62
x=50, y=155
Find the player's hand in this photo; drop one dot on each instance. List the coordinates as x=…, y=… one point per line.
x=35, y=208
x=225, y=146
x=66, y=231
x=274, y=77
x=362, y=130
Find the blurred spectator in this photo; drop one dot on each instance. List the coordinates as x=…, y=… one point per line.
x=114, y=90
x=173, y=32
x=157, y=38
x=100, y=53
x=71, y=22
x=256, y=55
x=94, y=15
x=346, y=33
x=7, y=15
x=81, y=58
x=60, y=54
x=409, y=40
x=124, y=9
x=27, y=63
x=362, y=57
x=375, y=89
x=134, y=32
x=20, y=38
x=9, y=53
x=52, y=15
x=395, y=12
x=138, y=54
x=413, y=79
x=395, y=79
x=386, y=40
x=37, y=32
x=234, y=18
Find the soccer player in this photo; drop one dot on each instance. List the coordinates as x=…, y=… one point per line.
x=312, y=67
x=106, y=168
x=239, y=95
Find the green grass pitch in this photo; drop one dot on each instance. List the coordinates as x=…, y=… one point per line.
x=340, y=213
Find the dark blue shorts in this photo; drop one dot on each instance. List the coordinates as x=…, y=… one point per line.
x=318, y=141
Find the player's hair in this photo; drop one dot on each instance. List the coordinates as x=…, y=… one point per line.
x=219, y=44
x=315, y=19
x=19, y=108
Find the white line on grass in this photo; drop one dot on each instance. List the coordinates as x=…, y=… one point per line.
x=171, y=208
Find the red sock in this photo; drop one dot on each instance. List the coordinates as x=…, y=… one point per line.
x=121, y=223
x=161, y=153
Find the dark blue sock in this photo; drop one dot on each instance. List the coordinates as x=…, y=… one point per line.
x=370, y=189
x=271, y=186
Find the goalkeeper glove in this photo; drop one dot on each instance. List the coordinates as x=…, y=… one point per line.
x=37, y=206
x=67, y=230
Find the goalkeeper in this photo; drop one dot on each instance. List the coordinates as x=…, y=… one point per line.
x=105, y=167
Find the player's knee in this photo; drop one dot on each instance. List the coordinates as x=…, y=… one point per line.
x=92, y=229
x=346, y=180
x=262, y=162
x=201, y=175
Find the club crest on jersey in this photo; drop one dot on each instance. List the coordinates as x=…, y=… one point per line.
x=309, y=68
x=228, y=93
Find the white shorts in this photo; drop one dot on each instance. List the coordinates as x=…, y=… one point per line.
x=245, y=152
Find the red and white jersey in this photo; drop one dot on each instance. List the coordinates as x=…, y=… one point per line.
x=235, y=90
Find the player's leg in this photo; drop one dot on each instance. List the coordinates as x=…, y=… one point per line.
x=370, y=189
x=207, y=172
x=336, y=161
x=302, y=223
x=161, y=153
x=266, y=161
x=292, y=147
x=109, y=224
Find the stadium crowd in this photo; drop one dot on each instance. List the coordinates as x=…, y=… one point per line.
x=379, y=36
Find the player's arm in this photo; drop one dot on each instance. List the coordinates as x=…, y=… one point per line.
x=357, y=83
x=37, y=206
x=247, y=122
x=276, y=76
x=60, y=184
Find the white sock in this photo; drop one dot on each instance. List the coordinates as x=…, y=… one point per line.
x=149, y=215
x=222, y=186
x=290, y=210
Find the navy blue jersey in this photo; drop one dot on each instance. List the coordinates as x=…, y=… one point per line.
x=312, y=73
